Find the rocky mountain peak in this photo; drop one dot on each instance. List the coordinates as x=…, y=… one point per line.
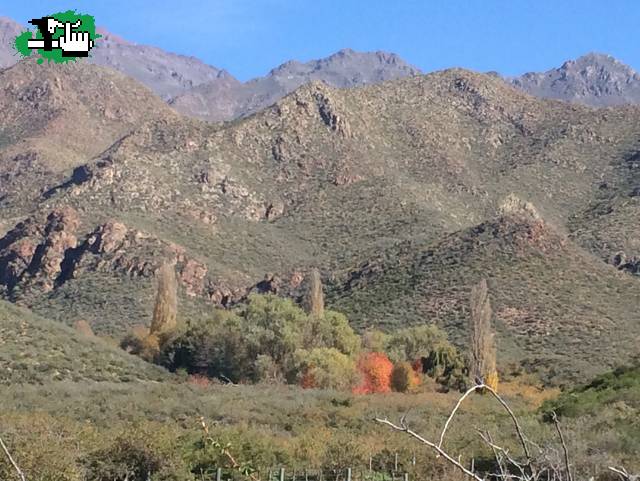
x=345, y=68
x=594, y=79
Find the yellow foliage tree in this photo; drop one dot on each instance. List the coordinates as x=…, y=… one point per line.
x=315, y=295
x=165, y=309
x=482, y=357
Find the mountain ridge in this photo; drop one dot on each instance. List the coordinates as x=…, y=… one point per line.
x=213, y=94
x=594, y=79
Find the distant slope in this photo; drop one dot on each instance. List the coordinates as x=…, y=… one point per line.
x=552, y=301
x=346, y=68
x=167, y=74
x=594, y=79
x=56, y=117
x=9, y=30
x=34, y=350
x=618, y=390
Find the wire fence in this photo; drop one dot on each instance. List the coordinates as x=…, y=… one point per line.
x=284, y=474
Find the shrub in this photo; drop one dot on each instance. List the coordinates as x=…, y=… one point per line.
x=141, y=343
x=257, y=341
x=325, y=368
x=404, y=378
x=44, y=447
x=137, y=455
x=83, y=327
x=375, y=368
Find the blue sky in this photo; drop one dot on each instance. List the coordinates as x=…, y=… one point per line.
x=249, y=37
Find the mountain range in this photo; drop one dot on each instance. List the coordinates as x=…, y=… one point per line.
x=405, y=192
x=203, y=91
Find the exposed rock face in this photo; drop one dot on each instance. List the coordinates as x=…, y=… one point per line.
x=626, y=264
x=594, y=79
x=43, y=255
x=520, y=223
x=32, y=253
x=513, y=205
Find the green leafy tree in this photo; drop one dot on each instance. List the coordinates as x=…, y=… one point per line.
x=325, y=368
x=215, y=347
x=333, y=330
x=416, y=342
x=374, y=340
x=256, y=341
x=428, y=349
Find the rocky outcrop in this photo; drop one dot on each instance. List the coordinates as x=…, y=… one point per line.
x=626, y=264
x=520, y=224
x=32, y=253
x=330, y=113
x=42, y=255
x=512, y=205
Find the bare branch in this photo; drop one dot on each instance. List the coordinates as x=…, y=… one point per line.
x=480, y=387
x=521, y=436
x=433, y=446
x=453, y=413
x=624, y=474
x=496, y=453
x=498, y=449
x=11, y=460
x=564, y=446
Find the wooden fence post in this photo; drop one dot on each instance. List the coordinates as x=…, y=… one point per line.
x=281, y=474
x=219, y=474
x=348, y=474
x=395, y=464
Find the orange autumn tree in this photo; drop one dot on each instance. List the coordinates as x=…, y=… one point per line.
x=375, y=368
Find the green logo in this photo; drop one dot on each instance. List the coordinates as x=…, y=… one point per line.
x=59, y=37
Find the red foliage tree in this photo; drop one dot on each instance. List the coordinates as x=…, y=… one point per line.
x=308, y=381
x=376, y=369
